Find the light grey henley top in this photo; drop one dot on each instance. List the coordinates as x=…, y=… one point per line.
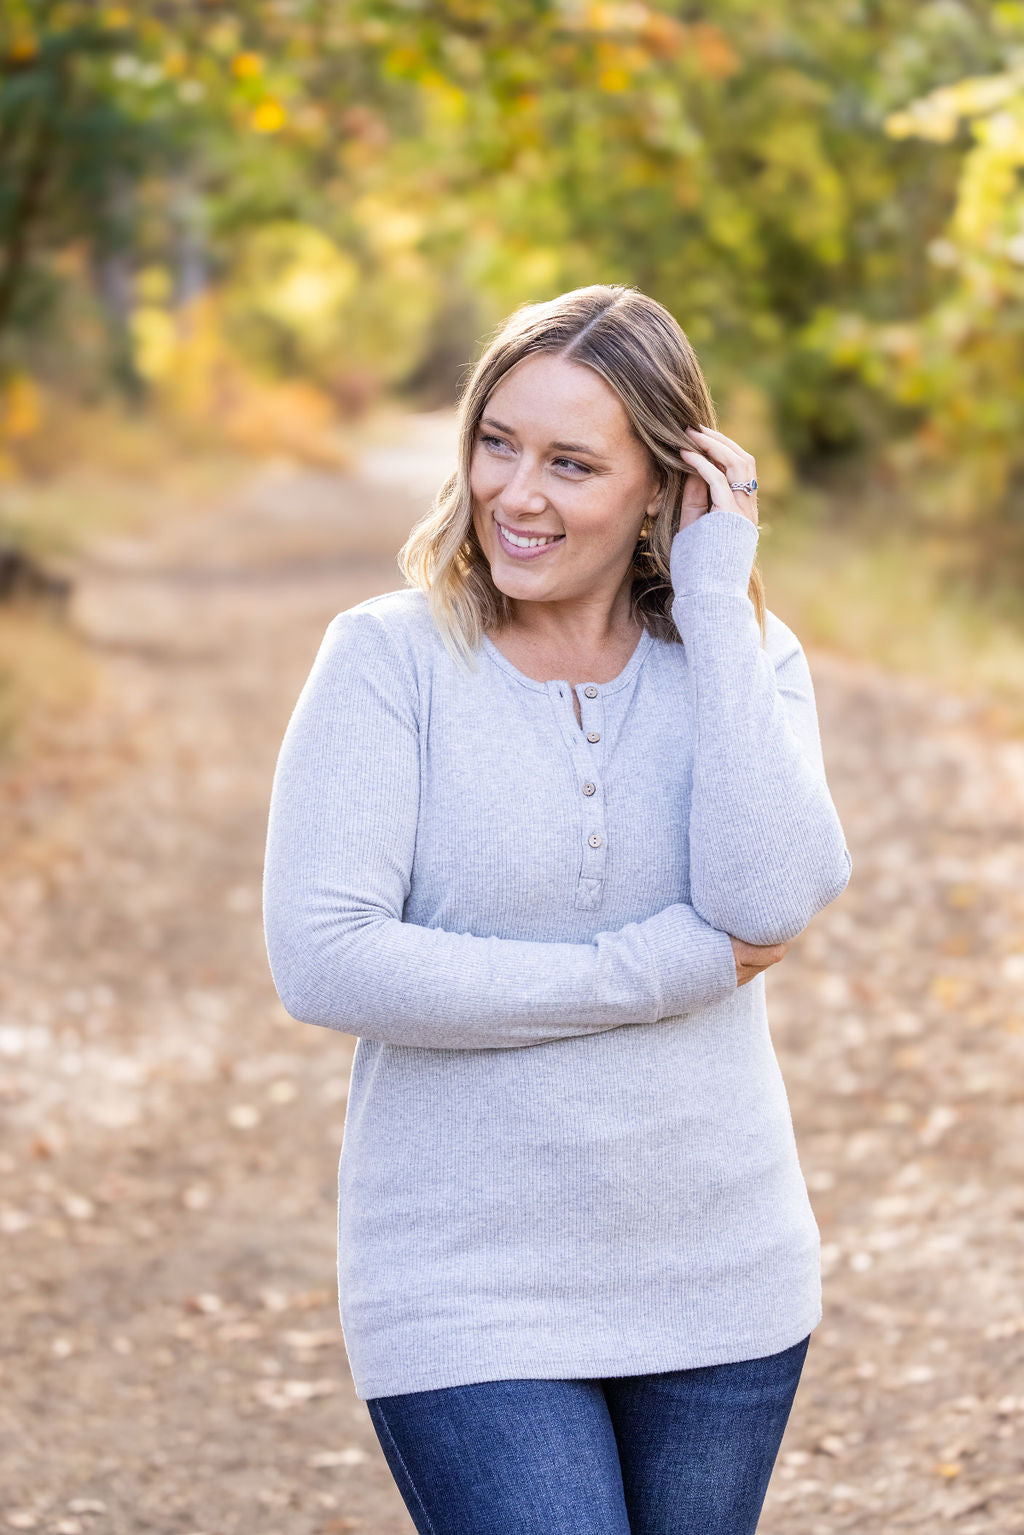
x=568, y=1150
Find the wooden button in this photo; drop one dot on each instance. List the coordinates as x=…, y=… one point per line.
x=594, y=839
x=591, y=692
x=593, y=736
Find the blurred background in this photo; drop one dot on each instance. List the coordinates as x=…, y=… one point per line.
x=247, y=254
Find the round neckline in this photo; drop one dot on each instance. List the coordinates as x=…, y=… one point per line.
x=635, y=661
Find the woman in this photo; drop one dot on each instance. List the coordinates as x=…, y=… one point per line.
x=540, y=822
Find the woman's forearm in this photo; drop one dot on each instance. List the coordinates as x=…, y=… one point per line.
x=767, y=850
x=373, y=975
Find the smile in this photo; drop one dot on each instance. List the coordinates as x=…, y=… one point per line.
x=527, y=544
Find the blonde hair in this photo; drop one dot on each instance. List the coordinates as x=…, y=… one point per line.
x=641, y=351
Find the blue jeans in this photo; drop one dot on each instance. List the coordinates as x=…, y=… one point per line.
x=685, y=1452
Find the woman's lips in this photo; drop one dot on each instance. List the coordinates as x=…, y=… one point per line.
x=517, y=553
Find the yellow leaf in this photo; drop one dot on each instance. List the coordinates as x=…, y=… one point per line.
x=613, y=79
x=957, y=944
x=962, y=895
x=717, y=56
x=898, y=125
x=665, y=37
x=948, y=1468
x=602, y=18
x=269, y=116
x=947, y=989
x=907, y=1059
x=154, y=341
x=245, y=65
x=401, y=60
x=20, y=408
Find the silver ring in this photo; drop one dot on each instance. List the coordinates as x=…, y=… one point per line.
x=747, y=485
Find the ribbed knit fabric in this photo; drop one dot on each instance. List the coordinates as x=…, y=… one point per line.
x=568, y=1150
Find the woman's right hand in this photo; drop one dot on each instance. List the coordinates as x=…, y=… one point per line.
x=752, y=958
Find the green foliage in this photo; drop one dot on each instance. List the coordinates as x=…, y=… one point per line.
x=828, y=197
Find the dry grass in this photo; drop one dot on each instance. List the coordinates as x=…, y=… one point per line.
x=56, y=519
x=45, y=678
x=135, y=482
x=880, y=599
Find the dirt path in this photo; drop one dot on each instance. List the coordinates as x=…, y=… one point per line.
x=171, y=1356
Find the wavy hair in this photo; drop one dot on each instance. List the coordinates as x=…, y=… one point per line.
x=642, y=352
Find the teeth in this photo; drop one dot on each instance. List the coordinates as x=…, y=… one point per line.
x=526, y=543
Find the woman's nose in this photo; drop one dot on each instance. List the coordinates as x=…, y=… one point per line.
x=522, y=491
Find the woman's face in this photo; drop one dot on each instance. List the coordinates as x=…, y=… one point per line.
x=554, y=457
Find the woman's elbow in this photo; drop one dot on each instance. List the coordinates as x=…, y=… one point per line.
x=300, y=1003
x=303, y=993
x=844, y=872
x=778, y=910
x=794, y=915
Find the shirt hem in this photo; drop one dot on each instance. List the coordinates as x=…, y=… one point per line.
x=598, y=1367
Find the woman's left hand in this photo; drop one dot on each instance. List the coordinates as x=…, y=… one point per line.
x=736, y=463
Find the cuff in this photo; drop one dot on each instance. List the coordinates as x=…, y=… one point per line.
x=714, y=554
x=693, y=960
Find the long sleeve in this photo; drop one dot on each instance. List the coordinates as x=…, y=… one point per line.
x=339, y=857
x=767, y=850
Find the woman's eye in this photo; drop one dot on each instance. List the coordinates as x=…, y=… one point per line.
x=500, y=442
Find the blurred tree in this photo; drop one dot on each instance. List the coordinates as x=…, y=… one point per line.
x=70, y=158
x=764, y=167
x=957, y=361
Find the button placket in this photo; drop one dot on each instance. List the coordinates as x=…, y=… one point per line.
x=590, y=884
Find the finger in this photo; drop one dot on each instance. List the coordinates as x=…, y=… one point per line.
x=739, y=465
x=710, y=472
x=733, y=469
x=719, y=489
x=708, y=431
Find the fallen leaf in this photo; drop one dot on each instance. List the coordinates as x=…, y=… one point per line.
x=919, y=1375
x=78, y=1207
x=947, y=990
x=306, y=1300
x=831, y=1444
x=957, y=944
x=324, y=1460
x=310, y=1340
x=243, y=1116
x=274, y=1300
x=206, y=1302
x=1006, y=1329
x=238, y=1332
x=283, y=1394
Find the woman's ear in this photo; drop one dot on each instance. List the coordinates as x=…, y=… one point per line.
x=657, y=499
